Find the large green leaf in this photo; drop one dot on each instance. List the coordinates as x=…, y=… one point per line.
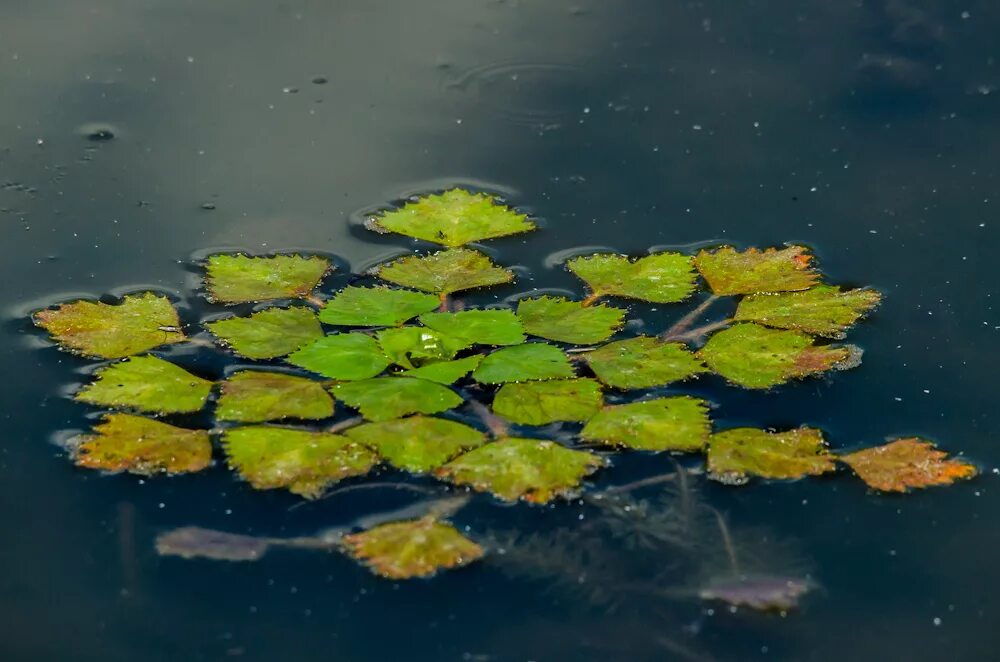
x=245, y=278
x=539, y=403
x=270, y=333
x=375, y=306
x=729, y=271
x=414, y=548
x=558, y=318
x=305, y=462
x=478, y=327
x=446, y=372
x=753, y=356
x=642, y=362
x=664, y=424
x=147, y=383
x=823, y=310
x=417, y=443
x=250, y=396
x=342, y=356
x=532, y=361
x=659, y=278
x=905, y=464
x=529, y=469
x=445, y=272
x=139, y=323
x=733, y=455
x=417, y=343
x=453, y=218
x=386, y=398
x=138, y=445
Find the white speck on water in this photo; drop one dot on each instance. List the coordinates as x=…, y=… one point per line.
x=937, y=622
x=696, y=127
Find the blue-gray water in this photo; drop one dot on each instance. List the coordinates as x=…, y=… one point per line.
x=868, y=130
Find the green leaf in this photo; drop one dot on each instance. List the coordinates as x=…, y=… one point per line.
x=139, y=323
x=905, y=464
x=664, y=424
x=729, y=271
x=418, y=343
x=244, y=278
x=446, y=372
x=478, y=327
x=733, y=455
x=342, y=356
x=386, y=398
x=529, y=469
x=539, y=403
x=415, y=548
x=418, y=443
x=251, y=396
x=445, y=272
x=375, y=306
x=558, y=318
x=753, y=356
x=139, y=445
x=659, y=278
x=642, y=362
x=823, y=310
x=532, y=361
x=453, y=218
x=305, y=462
x=270, y=333
x=147, y=383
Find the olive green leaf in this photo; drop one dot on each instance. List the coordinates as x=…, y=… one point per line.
x=418, y=343
x=417, y=443
x=270, y=333
x=453, y=218
x=342, y=356
x=245, y=278
x=521, y=363
x=478, y=327
x=414, y=548
x=305, y=462
x=733, y=455
x=445, y=272
x=642, y=362
x=558, y=318
x=823, y=310
x=729, y=271
x=664, y=424
x=138, y=445
x=446, y=372
x=539, y=403
x=659, y=278
x=386, y=398
x=905, y=464
x=753, y=356
x=139, y=323
x=147, y=383
x=529, y=469
x=375, y=306
x=250, y=396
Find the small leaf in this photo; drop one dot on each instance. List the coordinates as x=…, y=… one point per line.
x=664, y=424
x=733, y=455
x=453, y=218
x=540, y=403
x=529, y=469
x=139, y=323
x=270, y=333
x=147, y=383
x=244, y=278
x=446, y=372
x=532, y=361
x=418, y=343
x=375, y=306
x=250, y=396
x=305, y=462
x=659, y=278
x=342, y=356
x=823, y=310
x=139, y=445
x=445, y=272
x=642, y=362
x=478, y=327
x=729, y=271
x=760, y=592
x=386, y=398
x=414, y=548
x=905, y=464
x=753, y=356
x=558, y=318
x=417, y=443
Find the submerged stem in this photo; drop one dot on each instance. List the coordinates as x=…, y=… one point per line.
x=590, y=299
x=636, y=484
x=344, y=424
x=496, y=425
x=727, y=541
x=698, y=332
x=683, y=324
x=445, y=303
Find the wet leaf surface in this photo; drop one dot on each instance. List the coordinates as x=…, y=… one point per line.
x=244, y=278
x=823, y=310
x=734, y=455
x=729, y=271
x=658, y=278
x=386, y=398
x=342, y=356
x=446, y=372
x=562, y=320
x=760, y=592
x=418, y=443
x=409, y=344
x=540, y=403
x=664, y=424
x=478, y=327
x=642, y=362
x=138, y=445
x=445, y=272
x=252, y=396
x=147, y=383
x=270, y=333
x=415, y=548
x=375, y=306
x=532, y=361
x=905, y=464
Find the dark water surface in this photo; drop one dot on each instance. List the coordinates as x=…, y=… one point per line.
x=136, y=134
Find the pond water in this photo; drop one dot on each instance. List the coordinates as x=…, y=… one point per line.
x=136, y=136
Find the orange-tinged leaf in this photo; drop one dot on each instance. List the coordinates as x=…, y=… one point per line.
x=123, y=442
x=729, y=271
x=415, y=548
x=905, y=464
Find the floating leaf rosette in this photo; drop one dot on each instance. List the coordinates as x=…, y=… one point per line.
x=558, y=318
x=445, y=272
x=659, y=278
x=342, y=356
x=523, y=363
x=245, y=278
x=734, y=455
x=478, y=327
x=539, y=403
x=269, y=333
x=663, y=424
x=823, y=310
x=147, y=383
x=417, y=443
x=729, y=271
x=251, y=396
x=138, y=445
x=642, y=362
x=375, y=306
x=905, y=464
x=385, y=398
